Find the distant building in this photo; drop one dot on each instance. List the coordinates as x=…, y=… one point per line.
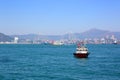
x=113, y=37
x=16, y=39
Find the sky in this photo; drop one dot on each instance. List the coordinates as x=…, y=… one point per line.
x=57, y=17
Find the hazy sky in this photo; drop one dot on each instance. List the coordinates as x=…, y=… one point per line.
x=58, y=16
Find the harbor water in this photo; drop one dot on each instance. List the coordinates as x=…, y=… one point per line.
x=48, y=62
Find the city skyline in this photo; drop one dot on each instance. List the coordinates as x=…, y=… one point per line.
x=57, y=17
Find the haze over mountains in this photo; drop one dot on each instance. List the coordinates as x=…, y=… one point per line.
x=97, y=33
x=92, y=33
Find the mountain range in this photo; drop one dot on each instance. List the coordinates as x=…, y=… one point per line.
x=97, y=33
x=92, y=33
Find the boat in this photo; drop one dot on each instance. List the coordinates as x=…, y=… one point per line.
x=115, y=42
x=58, y=43
x=81, y=51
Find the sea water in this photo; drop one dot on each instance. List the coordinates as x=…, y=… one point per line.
x=48, y=62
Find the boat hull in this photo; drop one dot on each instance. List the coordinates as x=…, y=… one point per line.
x=80, y=55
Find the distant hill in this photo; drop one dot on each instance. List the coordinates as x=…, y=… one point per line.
x=92, y=33
x=5, y=38
x=97, y=33
x=37, y=37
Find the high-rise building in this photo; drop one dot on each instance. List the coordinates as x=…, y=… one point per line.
x=16, y=39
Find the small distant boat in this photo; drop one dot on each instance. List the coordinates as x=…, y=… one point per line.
x=58, y=43
x=115, y=42
x=81, y=51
